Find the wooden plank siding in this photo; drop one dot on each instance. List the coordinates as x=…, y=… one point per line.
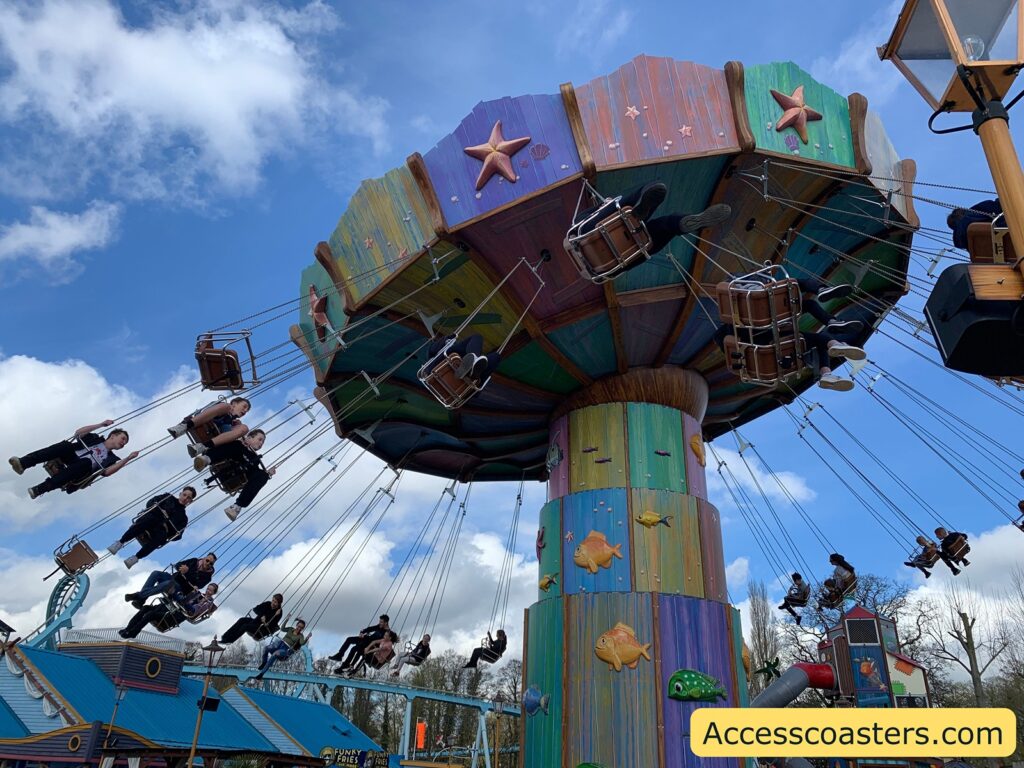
x=713, y=558
x=558, y=480
x=667, y=559
x=605, y=511
x=598, y=427
x=696, y=474
x=550, y=563
x=545, y=669
x=654, y=428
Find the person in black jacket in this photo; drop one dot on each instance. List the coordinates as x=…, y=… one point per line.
x=492, y=652
x=953, y=548
x=358, y=643
x=245, y=454
x=415, y=657
x=188, y=576
x=192, y=606
x=163, y=521
x=266, y=620
x=82, y=457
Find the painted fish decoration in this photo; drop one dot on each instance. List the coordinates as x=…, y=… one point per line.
x=546, y=582
x=618, y=648
x=534, y=701
x=691, y=685
x=595, y=551
x=590, y=449
x=603, y=460
x=663, y=453
x=540, y=541
x=650, y=519
x=697, y=446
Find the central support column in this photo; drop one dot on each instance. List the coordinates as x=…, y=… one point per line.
x=632, y=582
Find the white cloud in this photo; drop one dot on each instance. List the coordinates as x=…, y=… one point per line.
x=857, y=67
x=738, y=473
x=593, y=28
x=202, y=96
x=52, y=239
x=737, y=574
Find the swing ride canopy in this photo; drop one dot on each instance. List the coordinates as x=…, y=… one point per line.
x=813, y=182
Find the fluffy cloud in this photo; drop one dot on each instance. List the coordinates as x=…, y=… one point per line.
x=593, y=28
x=52, y=239
x=185, y=100
x=752, y=477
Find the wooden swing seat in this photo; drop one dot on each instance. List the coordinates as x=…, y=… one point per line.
x=443, y=382
x=989, y=244
x=752, y=303
x=840, y=594
x=262, y=633
x=766, y=364
x=959, y=549
x=220, y=367
x=615, y=244
x=75, y=556
x=228, y=476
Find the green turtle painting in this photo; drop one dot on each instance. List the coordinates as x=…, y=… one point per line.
x=690, y=685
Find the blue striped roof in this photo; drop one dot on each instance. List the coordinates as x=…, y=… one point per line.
x=313, y=725
x=163, y=718
x=248, y=709
x=27, y=709
x=10, y=726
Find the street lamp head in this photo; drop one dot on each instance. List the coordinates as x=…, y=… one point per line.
x=938, y=43
x=214, y=651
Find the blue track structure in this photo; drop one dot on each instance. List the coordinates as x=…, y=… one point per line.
x=65, y=600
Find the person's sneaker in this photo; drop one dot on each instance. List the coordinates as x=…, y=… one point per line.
x=335, y=657
x=798, y=619
x=479, y=369
x=927, y=574
x=835, y=292
x=956, y=571
x=15, y=463
x=130, y=561
x=709, y=217
x=782, y=607
x=909, y=564
x=845, y=326
x=196, y=449
x=115, y=547
x=233, y=512
x=139, y=603
x=178, y=429
x=201, y=463
x=835, y=383
x=965, y=561
x=340, y=670
x=32, y=493
x=123, y=633
x=848, y=351
x=651, y=196
x=466, y=365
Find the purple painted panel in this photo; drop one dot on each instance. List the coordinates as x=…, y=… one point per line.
x=647, y=324
x=558, y=482
x=549, y=157
x=693, y=634
x=711, y=551
x=696, y=480
x=654, y=108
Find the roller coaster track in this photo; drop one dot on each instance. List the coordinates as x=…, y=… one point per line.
x=66, y=598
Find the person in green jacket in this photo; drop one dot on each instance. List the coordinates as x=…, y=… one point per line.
x=283, y=647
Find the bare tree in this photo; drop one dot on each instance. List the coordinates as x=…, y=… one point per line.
x=765, y=643
x=970, y=636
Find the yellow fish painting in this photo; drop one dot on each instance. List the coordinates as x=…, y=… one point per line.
x=697, y=446
x=546, y=582
x=618, y=648
x=650, y=519
x=595, y=551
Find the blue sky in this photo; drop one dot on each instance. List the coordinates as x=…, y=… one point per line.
x=164, y=171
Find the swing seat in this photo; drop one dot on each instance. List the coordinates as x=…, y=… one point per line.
x=798, y=602
x=766, y=365
x=204, y=432
x=228, y=476
x=74, y=556
x=919, y=557
x=168, y=621
x=262, y=633
x=990, y=243
x=840, y=594
x=616, y=243
x=220, y=367
x=54, y=466
x=443, y=383
x=959, y=549
x=755, y=301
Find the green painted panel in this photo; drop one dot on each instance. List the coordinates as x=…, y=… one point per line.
x=532, y=365
x=737, y=647
x=550, y=563
x=317, y=277
x=653, y=432
x=544, y=670
x=597, y=448
x=666, y=558
x=829, y=139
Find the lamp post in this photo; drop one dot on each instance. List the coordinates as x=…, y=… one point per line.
x=214, y=651
x=499, y=707
x=963, y=56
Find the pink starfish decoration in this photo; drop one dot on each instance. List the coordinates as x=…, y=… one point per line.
x=318, y=311
x=632, y=113
x=686, y=131
x=403, y=253
x=568, y=536
x=496, y=155
x=797, y=113
x=368, y=242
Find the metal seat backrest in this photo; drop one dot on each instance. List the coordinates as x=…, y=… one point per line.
x=218, y=368
x=75, y=556
x=229, y=476
x=609, y=246
x=442, y=381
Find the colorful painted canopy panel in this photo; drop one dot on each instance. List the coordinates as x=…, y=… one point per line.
x=434, y=241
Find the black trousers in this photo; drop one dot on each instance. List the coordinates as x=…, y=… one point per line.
x=483, y=653
x=143, y=617
x=256, y=478
x=154, y=532
x=75, y=469
x=243, y=626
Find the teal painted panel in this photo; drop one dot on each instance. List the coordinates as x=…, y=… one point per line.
x=544, y=669
x=737, y=648
x=533, y=365
x=550, y=560
x=655, y=442
x=316, y=276
x=828, y=140
x=589, y=344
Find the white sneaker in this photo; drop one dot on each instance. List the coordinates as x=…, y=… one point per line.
x=233, y=512
x=115, y=547
x=835, y=383
x=178, y=430
x=196, y=449
x=848, y=351
x=201, y=463
x=15, y=463
x=130, y=561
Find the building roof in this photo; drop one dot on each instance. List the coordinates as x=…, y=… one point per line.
x=313, y=725
x=907, y=659
x=10, y=726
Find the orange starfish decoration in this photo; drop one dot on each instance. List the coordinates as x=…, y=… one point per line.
x=496, y=155
x=797, y=113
